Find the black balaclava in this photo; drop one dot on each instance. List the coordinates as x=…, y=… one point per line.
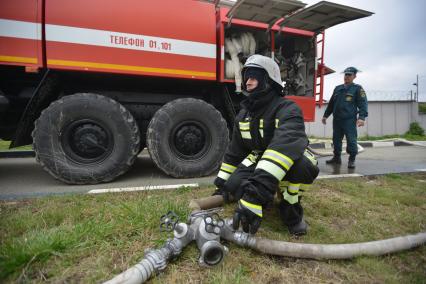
x=257, y=73
x=261, y=95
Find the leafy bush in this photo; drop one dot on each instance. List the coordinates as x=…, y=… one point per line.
x=416, y=129
x=422, y=107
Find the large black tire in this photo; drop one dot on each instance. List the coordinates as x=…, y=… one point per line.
x=86, y=139
x=187, y=138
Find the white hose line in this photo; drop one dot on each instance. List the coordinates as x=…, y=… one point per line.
x=136, y=274
x=313, y=251
x=338, y=251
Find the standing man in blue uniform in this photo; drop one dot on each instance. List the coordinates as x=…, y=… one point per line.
x=348, y=104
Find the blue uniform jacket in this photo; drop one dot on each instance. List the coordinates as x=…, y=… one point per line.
x=346, y=102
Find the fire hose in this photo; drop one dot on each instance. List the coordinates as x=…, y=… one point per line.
x=204, y=228
x=312, y=251
x=242, y=44
x=207, y=229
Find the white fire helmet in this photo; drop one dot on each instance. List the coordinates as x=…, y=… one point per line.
x=266, y=63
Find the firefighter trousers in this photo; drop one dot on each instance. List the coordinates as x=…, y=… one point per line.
x=298, y=178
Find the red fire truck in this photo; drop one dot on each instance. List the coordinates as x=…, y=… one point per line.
x=90, y=83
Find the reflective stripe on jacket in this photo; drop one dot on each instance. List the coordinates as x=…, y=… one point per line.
x=275, y=131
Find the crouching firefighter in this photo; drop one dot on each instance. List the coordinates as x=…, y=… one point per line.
x=267, y=152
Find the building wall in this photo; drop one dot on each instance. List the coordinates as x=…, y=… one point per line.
x=384, y=118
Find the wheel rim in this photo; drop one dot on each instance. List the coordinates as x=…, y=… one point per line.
x=87, y=141
x=190, y=140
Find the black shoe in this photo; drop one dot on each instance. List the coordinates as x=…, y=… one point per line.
x=335, y=160
x=351, y=164
x=299, y=229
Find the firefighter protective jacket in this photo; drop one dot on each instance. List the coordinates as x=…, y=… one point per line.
x=271, y=133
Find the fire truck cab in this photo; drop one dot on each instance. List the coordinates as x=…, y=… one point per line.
x=92, y=83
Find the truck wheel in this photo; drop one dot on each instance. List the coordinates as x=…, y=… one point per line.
x=187, y=138
x=86, y=139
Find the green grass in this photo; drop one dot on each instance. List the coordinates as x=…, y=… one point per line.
x=91, y=238
x=4, y=146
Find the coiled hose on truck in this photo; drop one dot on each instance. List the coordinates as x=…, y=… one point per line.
x=242, y=44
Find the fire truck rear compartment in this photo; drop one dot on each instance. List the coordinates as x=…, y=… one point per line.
x=294, y=54
x=296, y=58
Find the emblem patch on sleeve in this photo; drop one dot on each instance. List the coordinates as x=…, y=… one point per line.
x=362, y=93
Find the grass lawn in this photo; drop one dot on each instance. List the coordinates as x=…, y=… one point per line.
x=91, y=238
x=4, y=146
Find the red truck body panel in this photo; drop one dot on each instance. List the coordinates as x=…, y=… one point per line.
x=307, y=104
x=156, y=38
x=168, y=38
x=21, y=33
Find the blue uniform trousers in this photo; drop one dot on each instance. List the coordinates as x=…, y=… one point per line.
x=345, y=127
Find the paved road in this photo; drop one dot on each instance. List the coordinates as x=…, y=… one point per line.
x=23, y=177
x=374, y=161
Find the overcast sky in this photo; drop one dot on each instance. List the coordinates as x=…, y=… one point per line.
x=389, y=47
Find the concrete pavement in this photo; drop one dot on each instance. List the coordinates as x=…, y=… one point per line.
x=23, y=177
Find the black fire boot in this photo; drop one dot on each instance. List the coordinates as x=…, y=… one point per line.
x=336, y=160
x=292, y=217
x=299, y=229
x=351, y=162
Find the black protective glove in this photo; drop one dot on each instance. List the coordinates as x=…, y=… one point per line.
x=229, y=194
x=249, y=213
x=235, y=194
x=220, y=189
